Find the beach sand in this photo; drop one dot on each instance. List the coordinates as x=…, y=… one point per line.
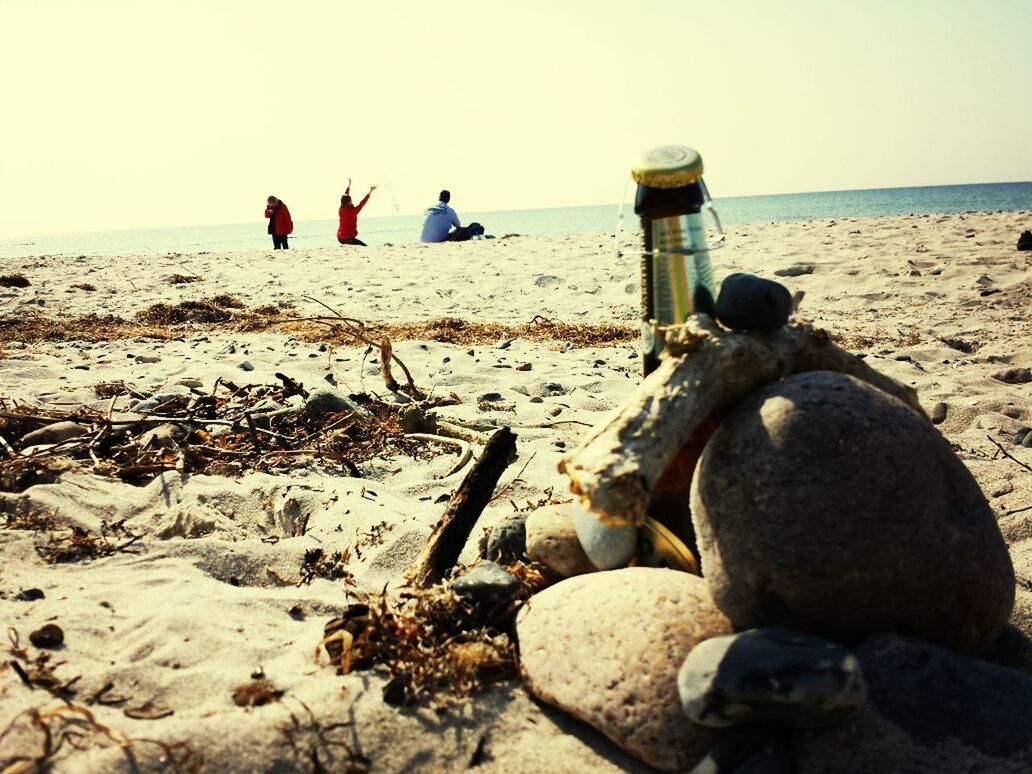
x=202, y=600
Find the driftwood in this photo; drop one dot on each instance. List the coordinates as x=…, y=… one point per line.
x=704, y=369
x=444, y=545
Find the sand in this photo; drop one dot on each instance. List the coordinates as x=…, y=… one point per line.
x=937, y=302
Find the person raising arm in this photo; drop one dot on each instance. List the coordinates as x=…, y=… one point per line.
x=347, y=232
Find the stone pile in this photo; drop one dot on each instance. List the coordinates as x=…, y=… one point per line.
x=852, y=573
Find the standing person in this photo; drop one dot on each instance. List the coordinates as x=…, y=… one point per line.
x=440, y=218
x=280, y=224
x=347, y=233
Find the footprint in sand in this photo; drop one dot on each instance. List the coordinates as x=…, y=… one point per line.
x=547, y=281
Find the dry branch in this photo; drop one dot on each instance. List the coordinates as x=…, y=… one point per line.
x=615, y=467
x=444, y=545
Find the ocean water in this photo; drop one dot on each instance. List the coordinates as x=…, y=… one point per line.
x=403, y=229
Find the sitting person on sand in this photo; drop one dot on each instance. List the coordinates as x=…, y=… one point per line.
x=347, y=233
x=439, y=220
x=280, y=224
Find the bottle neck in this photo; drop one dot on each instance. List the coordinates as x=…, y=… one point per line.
x=652, y=203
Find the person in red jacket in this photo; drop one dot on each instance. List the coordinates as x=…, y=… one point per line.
x=280, y=224
x=347, y=234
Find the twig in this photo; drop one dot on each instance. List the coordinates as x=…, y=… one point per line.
x=1018, y=510
x=1005, y=453
x=466, y=454
x=444, y=545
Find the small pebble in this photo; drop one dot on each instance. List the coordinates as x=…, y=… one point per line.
x=488, y=584
x=49, y=636
x=30, y=595
x=1014, y=376
x=524, y=367
x=938, y=414
x=246, y=366
x=148, y=359
x=537, y=399
x=503, y=344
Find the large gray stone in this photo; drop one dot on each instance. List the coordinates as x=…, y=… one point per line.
x=606, y=648
x=772, y=676
x=823, y=504
x=936, y=696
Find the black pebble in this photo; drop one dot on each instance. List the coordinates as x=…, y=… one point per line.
x=750, y=303
x=49, y=636
x=30, y=595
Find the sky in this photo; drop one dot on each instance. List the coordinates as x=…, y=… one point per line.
x=137, y=113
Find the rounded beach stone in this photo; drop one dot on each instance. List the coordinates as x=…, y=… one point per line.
x=606, y=648
x=772, y=676
x=552, y=541
x=56, y=432
x=508, y=539
x=606, y=547
x=750, y=303
x=488, y=584
x=823, y=504
x=322, y=401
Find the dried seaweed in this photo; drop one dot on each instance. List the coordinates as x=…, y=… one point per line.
x=322, y=746
x=183, y=279
x=13, y=281
x=68, y=728
x=156, y=320
x=433, y=646
x=231, y=431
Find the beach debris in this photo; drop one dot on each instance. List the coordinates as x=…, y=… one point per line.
x=606, y=648
x=58, y=432
x=183, y=279
x=13, y=281
x=323, y=748
x=70, y=728
x=750, y=303
x=552, y=541
x=795, y=271
x=198, y=432
x=444, y=545
x=148, y=711
x=822, y=462
x=770, y=675
x=30, y=595
x=1025, y=241
x=209, y=310
x=48, y=636
x=432, y=645
x=84, y=286
x=1014, y=376
x=256, y=693
x=939, y=412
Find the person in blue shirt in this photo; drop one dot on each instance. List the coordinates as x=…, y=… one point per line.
x=438, y=222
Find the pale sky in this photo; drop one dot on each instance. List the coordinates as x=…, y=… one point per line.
x=139, y=113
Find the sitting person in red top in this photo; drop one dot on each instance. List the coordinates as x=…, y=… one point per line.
x=280, y=224
x=347, y=234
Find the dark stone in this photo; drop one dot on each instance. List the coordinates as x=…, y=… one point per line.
x=488, y=584
x=748, y=751
x=30, y=595
x=1012, y=649
x=49, y=636
x=322, y=402
x=770, y=675
x=1025, y=240
x=795, y=271
x=1023, y=431
x=750, y=303
x=934, y=695
x=508, y=540
x=824, y=505
x=1027, y=443
x=938, y=415
x=1014, y=376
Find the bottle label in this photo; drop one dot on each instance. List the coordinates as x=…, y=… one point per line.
x=678, y=277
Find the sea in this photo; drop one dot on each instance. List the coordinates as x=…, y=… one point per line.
x=594, y=219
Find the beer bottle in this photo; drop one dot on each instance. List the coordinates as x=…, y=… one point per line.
x=676, y=279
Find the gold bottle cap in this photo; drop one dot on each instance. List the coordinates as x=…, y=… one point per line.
x=668, y=166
